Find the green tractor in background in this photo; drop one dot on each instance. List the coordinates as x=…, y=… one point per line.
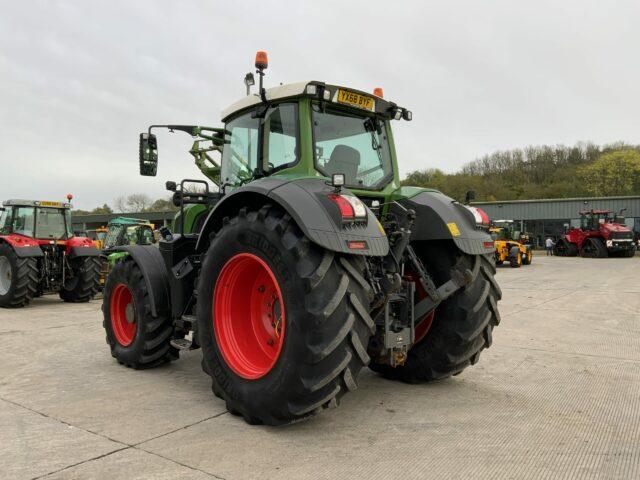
x=122, y=231
x=308, y=262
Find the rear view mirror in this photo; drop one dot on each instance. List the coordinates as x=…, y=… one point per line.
x=469, y=197
x=148, y=155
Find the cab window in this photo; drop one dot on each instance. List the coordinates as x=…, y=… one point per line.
x=240, y=153
x=5, y=220
x=280, y=148
x=355, y=145
x=51, y=223
x=23, y=221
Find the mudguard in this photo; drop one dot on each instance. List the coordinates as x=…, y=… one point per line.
x=81, y=247
x=439, y=217
x=26, y=252
x=153, y=269
x=307, y=201
x=24, y=247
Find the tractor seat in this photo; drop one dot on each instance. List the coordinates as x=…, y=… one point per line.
x=344, y=159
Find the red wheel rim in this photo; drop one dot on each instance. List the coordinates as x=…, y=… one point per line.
x=123, y=317
x=248, y=316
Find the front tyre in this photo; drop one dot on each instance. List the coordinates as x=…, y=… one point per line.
x=18, y=278
x=85, y=282
x=137, y=338
x=515, y=257
x=283, y=323
x=462, y=325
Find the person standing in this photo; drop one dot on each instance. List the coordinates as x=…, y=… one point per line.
x=549, y=244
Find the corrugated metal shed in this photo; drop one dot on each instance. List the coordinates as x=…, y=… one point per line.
x=81, y=222
x=559, y=208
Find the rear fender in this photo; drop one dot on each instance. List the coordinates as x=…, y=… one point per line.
x=154, y=272
x=24, y=247
x=439, y=217
x=81, y=247
x=306, y=201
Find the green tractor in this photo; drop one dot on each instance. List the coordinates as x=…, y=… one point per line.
x=121, y=231
x=308, y=263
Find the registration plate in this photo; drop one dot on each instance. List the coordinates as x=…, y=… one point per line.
x=356, y=100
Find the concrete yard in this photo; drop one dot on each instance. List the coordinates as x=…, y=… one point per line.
x=556, y=396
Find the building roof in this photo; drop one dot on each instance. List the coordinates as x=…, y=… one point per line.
x=559, y=208
x=542, y=200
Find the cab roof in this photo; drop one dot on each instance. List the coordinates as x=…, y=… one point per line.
x=312, y=89
x=35, y=203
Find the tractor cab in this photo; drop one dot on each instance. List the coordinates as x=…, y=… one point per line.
x=41, y=220
x=592, y=219
x=128, y=231
x=501, y=230
x=306, y=129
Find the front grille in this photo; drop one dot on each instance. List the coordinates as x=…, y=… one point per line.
x=621, y=235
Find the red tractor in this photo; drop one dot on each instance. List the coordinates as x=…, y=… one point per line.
x=601, y=234
x=39, y=254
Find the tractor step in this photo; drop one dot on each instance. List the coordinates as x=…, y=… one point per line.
x=183, y=344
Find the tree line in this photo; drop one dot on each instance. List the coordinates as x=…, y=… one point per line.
x=545, y=171
x=134, y=203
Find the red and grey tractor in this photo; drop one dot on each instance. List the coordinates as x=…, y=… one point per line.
x=309, y=262
x=39, y=254
x=601, y=234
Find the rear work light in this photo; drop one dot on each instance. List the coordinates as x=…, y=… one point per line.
x=351, y=208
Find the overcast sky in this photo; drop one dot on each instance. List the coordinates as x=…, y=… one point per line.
x=80, y=79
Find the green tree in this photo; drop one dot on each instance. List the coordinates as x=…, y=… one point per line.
x=103, y=210
x=162, y=205
x=614, y=173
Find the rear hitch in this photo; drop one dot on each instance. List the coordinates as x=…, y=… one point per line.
x=459, y=279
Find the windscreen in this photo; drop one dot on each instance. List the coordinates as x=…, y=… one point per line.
x=52, y=223
x=354, y=145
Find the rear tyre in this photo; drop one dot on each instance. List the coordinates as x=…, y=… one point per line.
x=18, y=278
x=462, y=325
x=563, y=248
x=515, y=257
x=85, y=283
x=628, y=253
x=283, y=323
x=593, y=248
x=137, y=338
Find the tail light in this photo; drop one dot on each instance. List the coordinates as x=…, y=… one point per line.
x=351, y=208
x=480, y=215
